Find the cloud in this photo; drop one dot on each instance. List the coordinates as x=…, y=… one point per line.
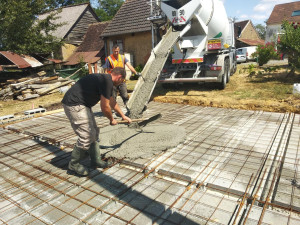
x=268, y=5
x=243, y=16
x=259, y=17
x=264, y=8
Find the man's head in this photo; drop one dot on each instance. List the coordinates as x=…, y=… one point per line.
x=118, y=75
x=116, y=50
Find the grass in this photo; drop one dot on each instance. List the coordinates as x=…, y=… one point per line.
x=15, y=107
x=268, y=90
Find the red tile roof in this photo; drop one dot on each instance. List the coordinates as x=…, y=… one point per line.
x=284, y=12
x=91, y=49
x=131, y=18
x=251, y=42
x=92, y=40
x=57, y=61
x=88, y=57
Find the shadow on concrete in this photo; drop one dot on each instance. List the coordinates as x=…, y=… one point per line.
x=134, y=199
x=145, y=205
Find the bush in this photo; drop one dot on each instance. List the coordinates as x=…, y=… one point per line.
x=289, y=43
x=264, y=53
x=139, y=68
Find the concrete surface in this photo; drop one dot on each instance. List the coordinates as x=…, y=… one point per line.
x=233, y=166
x=122, y=141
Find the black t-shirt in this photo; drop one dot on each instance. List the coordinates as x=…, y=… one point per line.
x=88, y=90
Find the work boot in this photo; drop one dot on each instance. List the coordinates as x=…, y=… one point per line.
x=96, y=160
x=77, y=155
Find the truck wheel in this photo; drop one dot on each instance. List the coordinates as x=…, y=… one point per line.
x=234, y=69
x=229, y=71
x=225, y=75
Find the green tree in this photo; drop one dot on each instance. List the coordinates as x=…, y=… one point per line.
x=108, y=8
x=289, y=44
x=60, y=3
x=21, y=32
x=261, y=29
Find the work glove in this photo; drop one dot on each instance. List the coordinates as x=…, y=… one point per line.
x=138, y=74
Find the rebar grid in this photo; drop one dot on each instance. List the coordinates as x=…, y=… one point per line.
x=134, y=184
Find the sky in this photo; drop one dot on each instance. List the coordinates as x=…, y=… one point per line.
x=258, y=11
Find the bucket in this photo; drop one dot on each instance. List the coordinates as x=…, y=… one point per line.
x=296, y=89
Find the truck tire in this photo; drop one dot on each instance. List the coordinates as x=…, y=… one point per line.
x=234, y=69
x=229, y=70
x=225, y=75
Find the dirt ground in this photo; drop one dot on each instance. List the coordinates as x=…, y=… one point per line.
x=268, y=89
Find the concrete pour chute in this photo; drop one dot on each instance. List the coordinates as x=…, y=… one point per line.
x=146, y=83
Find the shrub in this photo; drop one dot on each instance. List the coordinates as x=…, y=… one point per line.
x=289, y=43
x=251, y=70
x=264, y=53
x=139, y=68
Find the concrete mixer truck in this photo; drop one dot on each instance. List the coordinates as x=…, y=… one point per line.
x=200, y=42
x=205, y=51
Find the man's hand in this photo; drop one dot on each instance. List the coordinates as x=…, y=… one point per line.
x=138, y=74
x=127, y=118
x=113, y=122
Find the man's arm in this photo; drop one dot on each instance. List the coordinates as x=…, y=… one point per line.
x=105, y=108
x=106, y=65
x=131, y=67
x=114, y=105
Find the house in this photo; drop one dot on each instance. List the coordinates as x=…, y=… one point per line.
x=246, y=34
x=131, y=30
x=75, y=20
x=91, y=50
x=288, y=11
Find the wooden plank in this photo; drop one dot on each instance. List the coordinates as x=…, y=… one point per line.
x=18, y=85
x=54, y=87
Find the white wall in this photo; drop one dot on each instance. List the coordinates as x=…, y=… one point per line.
x=271, y=32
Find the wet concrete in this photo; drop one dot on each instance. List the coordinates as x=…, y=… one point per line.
x=122, y=141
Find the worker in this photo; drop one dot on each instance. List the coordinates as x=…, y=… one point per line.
x=77, y=104
x=118, y=60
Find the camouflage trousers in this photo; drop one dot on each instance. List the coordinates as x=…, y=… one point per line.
x=84, y=124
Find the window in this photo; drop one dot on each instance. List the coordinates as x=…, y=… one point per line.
x=296, y=13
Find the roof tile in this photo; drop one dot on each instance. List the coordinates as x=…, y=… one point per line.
x=284, y=12
x=131, y=18
x=92, y=40
x=90, y=48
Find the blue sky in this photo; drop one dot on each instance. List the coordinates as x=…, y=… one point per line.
x=258, y=11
